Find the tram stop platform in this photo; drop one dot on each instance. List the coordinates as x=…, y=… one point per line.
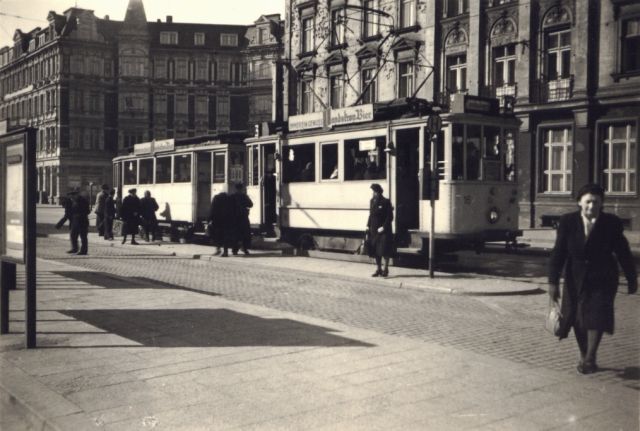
x=272, y=254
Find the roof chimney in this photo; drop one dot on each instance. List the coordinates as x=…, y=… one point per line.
x=106, y=17
x=169, y=19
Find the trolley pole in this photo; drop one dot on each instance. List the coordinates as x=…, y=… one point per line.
x=432, y=202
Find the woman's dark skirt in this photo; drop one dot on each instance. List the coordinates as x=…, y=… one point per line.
x=381, y=244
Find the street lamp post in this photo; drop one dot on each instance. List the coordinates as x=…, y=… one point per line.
x=434, y=124
x=90, y=195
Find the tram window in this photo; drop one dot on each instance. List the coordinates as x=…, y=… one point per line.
x=163, y=170
x=218, y=168
x=131, y=172
x=182, y=168
x=473, y=151
x=457, y=147
x=299, y=163
x=146, y=171
x=329, y=161
x=236, y=167
x=491, y=154
x=255, y=172
x=364, y=160
x=510, y=155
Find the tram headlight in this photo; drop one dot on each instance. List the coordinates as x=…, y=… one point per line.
x=494, y=215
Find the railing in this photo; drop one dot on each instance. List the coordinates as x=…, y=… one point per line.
x=444, y=98
x=505, y=91
x=553, y=91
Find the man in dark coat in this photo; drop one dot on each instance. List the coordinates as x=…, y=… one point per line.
x=130, y=215
x=589, y=245
x=243, y=205
x=221, y=222
x=99, y=211
x=109, y=214
x=379, y=230
x=148, y=208
x=76, y=210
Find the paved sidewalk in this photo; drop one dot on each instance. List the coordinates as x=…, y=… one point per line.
x=135, y=357
x=400, y=277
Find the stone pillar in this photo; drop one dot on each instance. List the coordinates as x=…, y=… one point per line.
x=525, y=53
x=475, y=56
x=582, y=160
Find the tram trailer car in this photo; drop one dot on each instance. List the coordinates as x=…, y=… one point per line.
x=183, y=176
x=324, y=179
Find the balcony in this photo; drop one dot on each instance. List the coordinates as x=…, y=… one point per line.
x=446, y=95
x=555, y=90
x=503, y=92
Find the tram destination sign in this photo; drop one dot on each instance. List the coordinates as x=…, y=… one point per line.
x=154, y=146
x=332, y=117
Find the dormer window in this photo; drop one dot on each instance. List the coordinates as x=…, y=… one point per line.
x=228, y=39
x=169, y=37
x=198, y=39
x=263, y=35
x=32, y=45
x=42, y=39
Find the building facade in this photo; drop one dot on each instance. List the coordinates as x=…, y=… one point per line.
x=94, y=87
x=569, y=69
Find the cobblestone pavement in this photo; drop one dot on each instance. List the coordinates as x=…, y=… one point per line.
x=505, y=327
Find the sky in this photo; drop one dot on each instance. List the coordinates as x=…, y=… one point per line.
x=33, y=13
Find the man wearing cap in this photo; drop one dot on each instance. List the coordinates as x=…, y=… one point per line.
x=99, y=211
x=130, y=214
x=379, y=230
x=77, y=212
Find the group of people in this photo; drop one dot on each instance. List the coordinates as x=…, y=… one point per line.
x=229, y=226
x=133, y=211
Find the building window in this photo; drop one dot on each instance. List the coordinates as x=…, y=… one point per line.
x=168, y=37
x=405, y=79
x=263, y=35
x=370, y=25
x=198, y=39
x=212, y=113
x=558, y=54
x=455, y=7
x=307, y=34
x=337, y=91
x=619, y=158
x=407, y=13
x=192, y=70
x=631, y=46
x=369, y=88
x=337, y=27
x=171, y=70
x=504, y=65
x=557, y=160
x=228, y=39
x=457, y=73
x=306, y=96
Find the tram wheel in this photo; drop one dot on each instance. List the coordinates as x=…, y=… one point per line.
x=306, y=242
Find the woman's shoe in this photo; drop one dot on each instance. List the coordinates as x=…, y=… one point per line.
x=378, y=273
x=385, y=273
x=587, y=367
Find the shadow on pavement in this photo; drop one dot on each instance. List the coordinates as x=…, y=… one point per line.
x=110, y=281
x=207, y=328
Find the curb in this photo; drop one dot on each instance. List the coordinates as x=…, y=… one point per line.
x=22, y=409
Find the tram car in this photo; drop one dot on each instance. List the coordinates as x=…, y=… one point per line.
x=314, y=182
x=182, y=175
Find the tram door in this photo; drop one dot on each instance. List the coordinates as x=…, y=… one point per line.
x=407, y=181
x=203, y=187
x=269, y=186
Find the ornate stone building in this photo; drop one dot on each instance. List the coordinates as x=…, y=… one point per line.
x=570, y=70
x=94, y=87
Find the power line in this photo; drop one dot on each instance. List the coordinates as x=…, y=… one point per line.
x=22, y=17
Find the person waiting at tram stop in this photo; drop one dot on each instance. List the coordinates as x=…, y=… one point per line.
x=590, y=244
x=109, y=214
x=221, y=227
x=243, y=205
x=148, y=208
x=130, y=215
x=379, y=230
x=99, y=211
x=76, y=211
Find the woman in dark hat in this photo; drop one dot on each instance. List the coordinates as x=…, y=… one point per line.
x=589, y=245
x=130, y=214
x=379, y=230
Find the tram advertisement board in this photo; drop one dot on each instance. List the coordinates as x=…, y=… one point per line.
x=15, y=163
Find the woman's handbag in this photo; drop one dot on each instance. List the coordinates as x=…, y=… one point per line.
x=365, y=247
x=554, y=321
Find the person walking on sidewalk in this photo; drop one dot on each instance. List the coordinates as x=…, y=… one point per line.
x=109, y=214
x=130, y=214
x=77, y=212
x=589, y=245
x=379, y=230
x=148, y=208
x=221, y=223
x=243, y=205
x=99, y=211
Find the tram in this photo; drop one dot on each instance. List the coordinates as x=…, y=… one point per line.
x=324, y=170
x=182, y=175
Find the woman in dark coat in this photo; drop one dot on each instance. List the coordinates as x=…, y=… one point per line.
x=130, y=214
x=589, y=245
x=379, y=230
x=222, y=223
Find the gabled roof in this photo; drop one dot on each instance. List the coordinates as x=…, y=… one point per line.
x=304, y=64
x=404, y=43
x=336, y=57
x=368, y=50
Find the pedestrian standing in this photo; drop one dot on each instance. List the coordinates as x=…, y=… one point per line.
x=99, y=211
x=221, y=222
x=109, y=214
x=243, y=205
x=130, y=215
x=77, y=212
x=589, y=245
x=379, y=230
x=148, y=208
